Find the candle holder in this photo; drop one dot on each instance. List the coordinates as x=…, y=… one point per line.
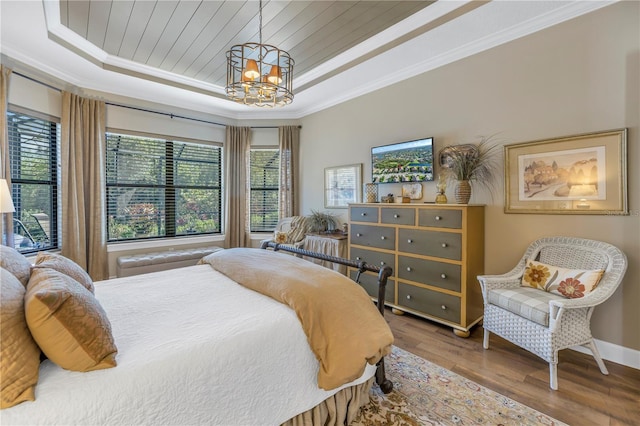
x=371, y=192
x=441, y=198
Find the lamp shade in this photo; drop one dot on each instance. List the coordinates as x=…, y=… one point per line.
x=6, y=203
x=251, y=70
x=275, y=75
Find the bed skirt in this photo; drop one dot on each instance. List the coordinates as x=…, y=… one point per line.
x=340, y=409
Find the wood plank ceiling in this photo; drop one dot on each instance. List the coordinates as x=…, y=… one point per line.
x=190, y=38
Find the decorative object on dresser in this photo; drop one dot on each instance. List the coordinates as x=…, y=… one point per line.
x=470, y=163
x=544, y=304
x=371, y=191
x=441, y=198
x=435, y=251
x=412, y=191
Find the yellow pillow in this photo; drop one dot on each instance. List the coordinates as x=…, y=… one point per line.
x=68, y=323
x=15, y=263
x=570, y=283
x=66, y=266
x=19, y=354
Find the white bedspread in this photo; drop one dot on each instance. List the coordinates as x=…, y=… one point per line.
x=193, y=348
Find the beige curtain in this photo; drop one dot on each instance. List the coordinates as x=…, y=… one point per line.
x=236, y=151
x=6, y=221
x=83, y=184
x=289, y=141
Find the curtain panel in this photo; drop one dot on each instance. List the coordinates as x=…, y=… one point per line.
x=236, y=152
x=6, y=221
x=289, y=143
x=83, y=150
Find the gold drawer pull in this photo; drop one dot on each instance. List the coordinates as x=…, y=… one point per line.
x=438, y=218
x=410, y=241
x=383, y=237
x=444, y=308
x=444, y=245
x=396, y=216
x=409, y=268
x=409, y=296
x=443, y=276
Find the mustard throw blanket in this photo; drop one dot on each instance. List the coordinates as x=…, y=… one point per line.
x=343, y=326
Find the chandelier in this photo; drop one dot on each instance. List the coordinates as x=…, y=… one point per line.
x=259, y=74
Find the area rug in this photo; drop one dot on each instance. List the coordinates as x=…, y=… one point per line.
x=426, y=394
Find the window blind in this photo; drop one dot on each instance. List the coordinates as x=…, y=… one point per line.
x=161, y=188
x=264, y=174
x=33, y=156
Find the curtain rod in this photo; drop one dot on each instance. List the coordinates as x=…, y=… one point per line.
x=168, y=114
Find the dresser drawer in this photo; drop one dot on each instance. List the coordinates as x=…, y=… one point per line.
x=429, y=302
x=438, y=274
x=373, y=236
x=364, y=214
x=369, y=281
x=447, y=245
x=372, y=257
x=440, y=218
x=398, y=216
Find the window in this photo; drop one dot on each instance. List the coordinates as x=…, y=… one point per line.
x=33, y=154
x=161, y=188
x=264, y=177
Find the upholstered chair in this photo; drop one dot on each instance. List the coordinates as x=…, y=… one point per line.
x=555, y=312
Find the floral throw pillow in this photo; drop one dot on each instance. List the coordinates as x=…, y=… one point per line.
x=570, y=283
x=280, y=237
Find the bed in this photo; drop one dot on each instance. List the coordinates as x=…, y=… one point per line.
x=195, y=347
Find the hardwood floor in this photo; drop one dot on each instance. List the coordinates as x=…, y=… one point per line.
x=584, y=396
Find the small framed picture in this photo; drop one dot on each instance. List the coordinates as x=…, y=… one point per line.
x=412, y=190
x=342, y=186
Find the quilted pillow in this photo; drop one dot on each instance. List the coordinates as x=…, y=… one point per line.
x=68, y=323
x=19, y=354
x=66, y=266
x=570, y=283
x=15, y=263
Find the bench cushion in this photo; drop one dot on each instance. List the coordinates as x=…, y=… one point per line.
x=161, y=261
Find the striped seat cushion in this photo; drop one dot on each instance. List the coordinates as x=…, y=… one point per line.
x=529, y=303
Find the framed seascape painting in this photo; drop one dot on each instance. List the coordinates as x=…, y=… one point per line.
x=581, y=174
x=342, y=185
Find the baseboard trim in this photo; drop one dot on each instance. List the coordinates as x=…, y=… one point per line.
x=614, y=353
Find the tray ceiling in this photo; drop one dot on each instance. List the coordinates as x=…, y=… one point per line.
x=173, y=51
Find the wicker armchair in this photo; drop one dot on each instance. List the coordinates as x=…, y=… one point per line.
x=551, y=322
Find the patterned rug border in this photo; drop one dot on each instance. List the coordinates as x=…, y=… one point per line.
x=427, y=394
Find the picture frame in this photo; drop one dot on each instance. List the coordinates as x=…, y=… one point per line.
x=579, y=174
x=412, y=190
x=342, y=186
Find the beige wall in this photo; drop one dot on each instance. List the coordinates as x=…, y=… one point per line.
x=580, y=76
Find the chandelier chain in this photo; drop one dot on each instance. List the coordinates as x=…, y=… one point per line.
x=260, y=27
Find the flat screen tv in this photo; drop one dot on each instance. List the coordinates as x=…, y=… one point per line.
x=410, y=161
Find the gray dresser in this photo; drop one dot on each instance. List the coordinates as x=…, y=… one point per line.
x=436, y=251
